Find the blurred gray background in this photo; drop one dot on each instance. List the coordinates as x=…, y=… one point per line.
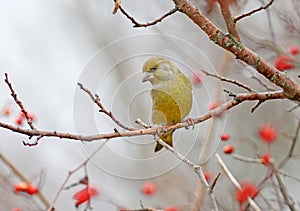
x=46, y=47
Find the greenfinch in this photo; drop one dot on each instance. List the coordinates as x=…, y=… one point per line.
x=171, y=94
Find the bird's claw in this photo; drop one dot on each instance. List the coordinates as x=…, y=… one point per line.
x=190, y=121
x=160, y=131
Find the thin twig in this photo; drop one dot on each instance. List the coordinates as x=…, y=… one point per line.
x=236, y=19
x=246, y=159
x=262, y=83
x=143, y=124
x=221, y=78
x=137, y=24
x=288, y=175
x=19, y=103
x=117, y=6
x=275, y=172
x=197, y=169
x=142, y=209
x=96, y=100
x=23, y=178
x=292, y=147
x=289, y=202
x=257, y=105
x=234, y=181
x=214, y=182
x=70, y=173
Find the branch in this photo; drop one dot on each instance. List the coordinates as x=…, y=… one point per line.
x=142, y=209
x=19, y=103
x=292, y=148
x=96, y=100
x=289, y=202
x=238, y=98
x=221, y=78
x=290, y=87
x=197, y=169
x=23, y=178
x=287, y=157
x=137, y=24
x=227, y=15
x=262, y=83
x=70, y=173
x=234, y=181
x=253, y=11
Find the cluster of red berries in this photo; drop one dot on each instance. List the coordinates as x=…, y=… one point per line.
x=286, y=62
x=25, y=187
x=6, y=111
x=267, y=134
x=21, y=117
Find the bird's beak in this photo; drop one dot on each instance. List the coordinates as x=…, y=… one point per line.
x=147, y=77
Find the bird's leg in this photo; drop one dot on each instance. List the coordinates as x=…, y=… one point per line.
x=190, y=121
x=160, y=130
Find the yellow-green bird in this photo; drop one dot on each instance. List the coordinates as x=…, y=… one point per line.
x=171, y=94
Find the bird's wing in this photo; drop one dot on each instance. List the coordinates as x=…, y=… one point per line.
x=165, y=109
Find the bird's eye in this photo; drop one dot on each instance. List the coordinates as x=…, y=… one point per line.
x=152, y=69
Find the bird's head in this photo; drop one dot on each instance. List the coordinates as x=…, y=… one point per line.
x=159, y=69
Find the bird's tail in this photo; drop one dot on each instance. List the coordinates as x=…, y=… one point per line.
x=166, y=137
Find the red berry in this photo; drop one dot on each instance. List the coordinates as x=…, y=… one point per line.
x=25, y=187
x=16, y=209
x=21, y=187
x=6, y=111
x=84, y=195
x=149, y=188
x=19, y=121
x=31, y=116
x=21, y=115
x=294, y=50
x=32, y=190
x=228, y=149
x=170, y=208
x=283, y=62
x=207, y=175
x=265, y=159
x=213, y=105
x=197, y=78
x=225, y=137
x=268, y=133
x=247, y=189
